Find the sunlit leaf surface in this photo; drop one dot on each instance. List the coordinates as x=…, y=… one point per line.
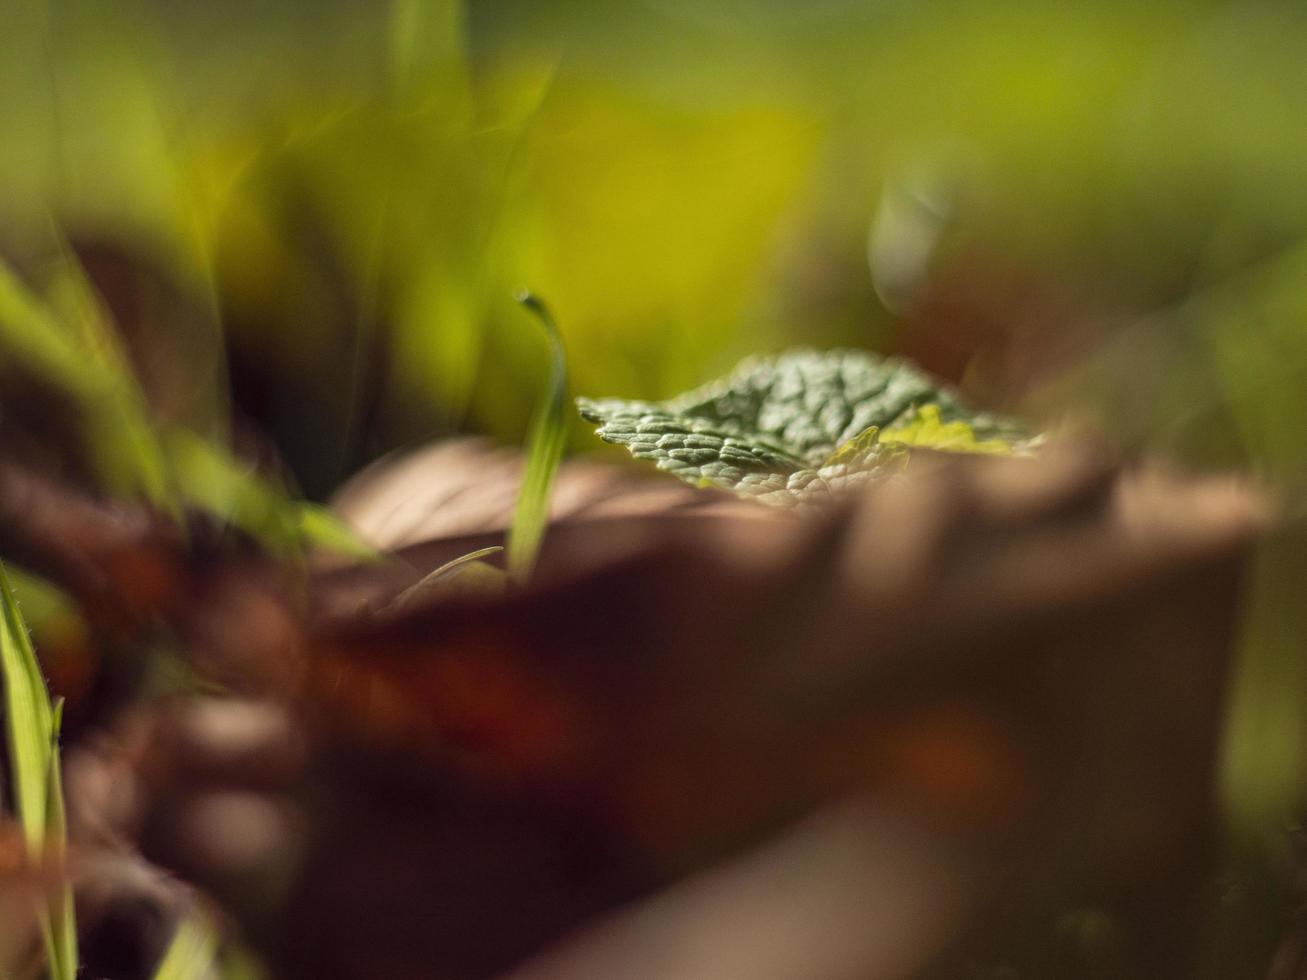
x=787, y=429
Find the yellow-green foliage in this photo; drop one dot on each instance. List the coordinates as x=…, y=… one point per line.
x=32, y=747
x=927, y=431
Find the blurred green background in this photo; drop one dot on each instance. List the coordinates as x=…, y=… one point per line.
x=317, y=214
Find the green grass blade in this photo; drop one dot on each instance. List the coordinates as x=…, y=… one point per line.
x=428, y=52
x=544, y=450
x=61, y=941
x=213, y=480
x=319, y=527
x=192, y=952
x=28, y=721
x=34, y=336
x=70, y=343
x=73, y=349
x=121, y=429
x=31, y=735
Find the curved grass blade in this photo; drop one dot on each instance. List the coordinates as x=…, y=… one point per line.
x=69, y=342
x=28, y=721
x=216, y=482
x=432, y=581
x=544, y=450
x=31, y=735
x=61, y=931
x=78, y=355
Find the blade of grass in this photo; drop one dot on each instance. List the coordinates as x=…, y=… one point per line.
x=458, y=562
x=31, y=734
x=192, y=951
x=71, y=344
x=61, y=938
x=544, y=450
x=28, y=721
x=319, y=527
x=213, y=480
x=428, y=52
x=82, y=360
x=122, y=429
x=434, y=579
x=32, y=335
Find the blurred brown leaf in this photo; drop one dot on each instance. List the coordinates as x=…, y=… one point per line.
x=1024, y=653
x=1019, y=664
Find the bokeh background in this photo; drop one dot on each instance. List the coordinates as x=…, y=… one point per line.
x=310, y=218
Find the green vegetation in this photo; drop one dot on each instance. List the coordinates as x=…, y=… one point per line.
x=245, y=252
x=544, y=450
x=192, y=952
x=790, y=428
x=32, y=742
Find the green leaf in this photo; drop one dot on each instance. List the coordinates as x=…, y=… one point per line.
x=702, y=453
x=31, y=737
x=544, y=450
x=788, y=428
x=857, y=450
